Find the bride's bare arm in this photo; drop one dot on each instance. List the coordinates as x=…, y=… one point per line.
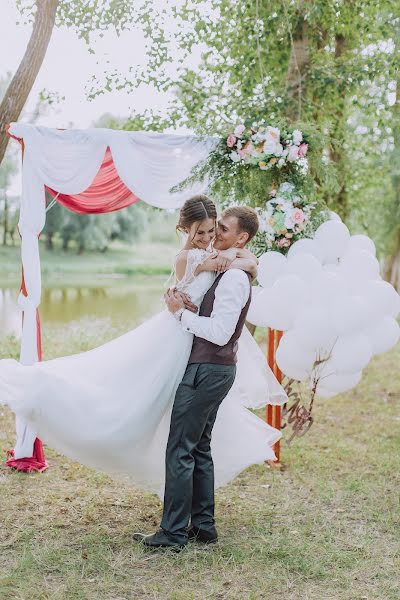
x=245, y=264
x=224, y=259
x=180, y=265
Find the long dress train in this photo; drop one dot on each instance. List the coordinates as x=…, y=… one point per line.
x=110, y=407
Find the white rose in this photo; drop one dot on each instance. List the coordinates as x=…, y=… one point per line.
x=239, y=130
x=293, y=153
x=234, y=156
x=273, y=133
x=297, y=137
x=269, y=146
x=288, y=221
x=286, y=187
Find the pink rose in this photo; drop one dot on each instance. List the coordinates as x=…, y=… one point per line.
x=248, y=148
x=239, y=130
x=298, y=216
x=283, y=243
x=231, y=141
x=303, y=150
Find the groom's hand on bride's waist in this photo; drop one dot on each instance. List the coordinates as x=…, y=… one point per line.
x=176, y=300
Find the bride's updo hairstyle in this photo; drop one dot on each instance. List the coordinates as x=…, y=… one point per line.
x=196, y=209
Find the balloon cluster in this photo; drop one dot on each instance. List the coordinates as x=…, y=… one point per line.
x=329, y=299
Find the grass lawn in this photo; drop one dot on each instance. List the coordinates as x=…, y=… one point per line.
x=324, y=528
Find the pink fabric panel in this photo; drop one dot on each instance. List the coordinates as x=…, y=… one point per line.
x=106, y=193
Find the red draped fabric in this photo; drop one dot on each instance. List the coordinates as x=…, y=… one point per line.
x=106, y=193
x=36, y=462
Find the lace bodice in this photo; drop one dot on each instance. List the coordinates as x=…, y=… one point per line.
x=196, y=285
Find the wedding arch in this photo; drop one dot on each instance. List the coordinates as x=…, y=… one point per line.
x=88, y=171
x=102, y=170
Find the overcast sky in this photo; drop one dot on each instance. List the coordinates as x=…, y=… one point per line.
x=68, y=66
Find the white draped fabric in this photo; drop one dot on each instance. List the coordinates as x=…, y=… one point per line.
x=149, y=164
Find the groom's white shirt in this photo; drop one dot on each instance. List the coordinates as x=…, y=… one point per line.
x=231, y=295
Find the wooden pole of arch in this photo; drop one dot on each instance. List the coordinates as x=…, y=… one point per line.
x=273, y=416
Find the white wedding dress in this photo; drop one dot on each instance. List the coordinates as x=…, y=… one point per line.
x=110, y=408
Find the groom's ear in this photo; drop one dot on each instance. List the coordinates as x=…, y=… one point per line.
x=243, y=238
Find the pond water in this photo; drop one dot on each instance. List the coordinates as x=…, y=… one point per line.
x=121, y=301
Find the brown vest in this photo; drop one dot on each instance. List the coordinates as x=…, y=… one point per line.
x=204, y=351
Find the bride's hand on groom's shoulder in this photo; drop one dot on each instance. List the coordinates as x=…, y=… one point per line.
x=221, y=261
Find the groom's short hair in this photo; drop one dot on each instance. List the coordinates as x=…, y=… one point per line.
x=247, y=219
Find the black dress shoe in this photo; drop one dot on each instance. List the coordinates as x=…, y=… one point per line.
x=201, y=535
x=158, y=540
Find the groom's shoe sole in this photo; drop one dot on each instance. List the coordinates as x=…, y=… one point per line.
x=146, y=541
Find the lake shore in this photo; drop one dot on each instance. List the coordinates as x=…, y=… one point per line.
x=120, y=261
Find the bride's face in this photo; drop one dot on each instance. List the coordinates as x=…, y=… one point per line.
x=201, y=233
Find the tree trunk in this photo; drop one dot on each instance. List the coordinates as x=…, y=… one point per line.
x=5, y=219
x=392, y=262
x=391, y=270
x=49, y=241
x=338, y=132
x=298, y=62
x=23, y=80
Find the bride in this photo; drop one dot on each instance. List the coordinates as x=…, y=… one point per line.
x=110, y=408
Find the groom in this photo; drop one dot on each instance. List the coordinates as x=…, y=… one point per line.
x=189, y=485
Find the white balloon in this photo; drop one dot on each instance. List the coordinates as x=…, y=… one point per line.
x=268, y=310
x=349, y=314
x=324, y=393
x=253, y=314
x=334, y=216
x=292, y=353
x=278, y=314
x=305, y=266
x=291, y=289
x=305, y=246
x=382, y=297
x=332, y=238
x=327, y=286
x=313, y=326
x=331, y=267
x=351, y=353
x=359, y=265
x=362, y=242
x=290, y=368
x=271, y=266
x=383, y=335
x=334, y=383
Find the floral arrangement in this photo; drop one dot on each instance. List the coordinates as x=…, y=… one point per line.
x=273, y=169
x=285, y=218
x=268, y=147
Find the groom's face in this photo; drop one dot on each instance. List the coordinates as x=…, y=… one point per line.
x=228, y=234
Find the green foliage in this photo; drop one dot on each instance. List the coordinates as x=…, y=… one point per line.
x=94, y=232
x=344, y=95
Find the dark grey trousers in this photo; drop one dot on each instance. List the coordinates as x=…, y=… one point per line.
x=189, y=483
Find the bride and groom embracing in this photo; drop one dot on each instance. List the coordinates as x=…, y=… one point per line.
x=145, y=405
